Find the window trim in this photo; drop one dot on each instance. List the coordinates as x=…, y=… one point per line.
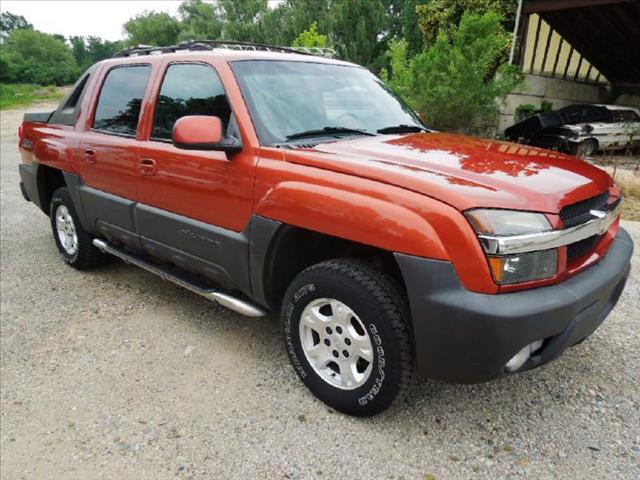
x=97, y=102
x=161, y=83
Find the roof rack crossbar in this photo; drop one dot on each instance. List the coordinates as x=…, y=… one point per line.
x=191, y=45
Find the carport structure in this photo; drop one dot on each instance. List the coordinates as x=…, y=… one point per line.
x=592, y=41
x=575, y=51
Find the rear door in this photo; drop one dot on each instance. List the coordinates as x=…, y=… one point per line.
x=195, y=204
x=109, y=153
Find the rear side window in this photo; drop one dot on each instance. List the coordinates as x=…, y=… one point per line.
x=189, y=89
x=120, y=100
x=67, y=112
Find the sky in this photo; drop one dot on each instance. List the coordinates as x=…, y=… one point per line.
x=98, y=18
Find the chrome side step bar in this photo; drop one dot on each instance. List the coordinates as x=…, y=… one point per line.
x=237, y=305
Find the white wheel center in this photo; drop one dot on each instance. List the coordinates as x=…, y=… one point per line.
x=336, y=343
x=66, y=229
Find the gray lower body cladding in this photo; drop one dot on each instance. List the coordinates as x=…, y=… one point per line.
x=28, y=183
x=231, y=260
x=466, y=337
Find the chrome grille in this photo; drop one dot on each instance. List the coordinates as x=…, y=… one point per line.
x=578, y=213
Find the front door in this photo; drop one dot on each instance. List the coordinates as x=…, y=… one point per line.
x=195, y=205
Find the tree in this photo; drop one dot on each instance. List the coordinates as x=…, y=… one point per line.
x=443, y=16
x=242, y=20
x=358, y=29
x=200, y=21
x=282, y=25
x=454, y=83
x=10, y=23
x=89, y=50
x=31, y=56
x=311, y=38
x=399, y=64
x=404, y=23
x=151, y=28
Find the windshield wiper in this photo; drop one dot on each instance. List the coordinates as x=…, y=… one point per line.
x=402, y=129
x=327, y=131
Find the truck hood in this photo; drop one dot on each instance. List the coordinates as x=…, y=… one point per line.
x=465, y=172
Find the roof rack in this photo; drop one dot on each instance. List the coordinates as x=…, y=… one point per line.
x=195, y=45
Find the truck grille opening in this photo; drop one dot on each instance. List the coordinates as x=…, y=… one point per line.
x=578, y=213
x=581, y=248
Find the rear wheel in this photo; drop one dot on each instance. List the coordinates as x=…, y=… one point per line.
x=346, y=332
x=73, y=241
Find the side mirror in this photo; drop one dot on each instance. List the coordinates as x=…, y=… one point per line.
x=202, y=132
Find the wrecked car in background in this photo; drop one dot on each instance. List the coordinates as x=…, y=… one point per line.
x=580, y=129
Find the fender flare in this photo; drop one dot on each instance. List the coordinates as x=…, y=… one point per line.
x=385, y=223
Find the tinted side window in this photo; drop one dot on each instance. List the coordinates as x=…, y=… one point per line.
x=625, y=116
x=120, y=100
x=189, y=89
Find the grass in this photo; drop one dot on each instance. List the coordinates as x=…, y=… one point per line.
x=630, y=186
x=21, y=95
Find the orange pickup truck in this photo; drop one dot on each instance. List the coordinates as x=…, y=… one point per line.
x=269, y=180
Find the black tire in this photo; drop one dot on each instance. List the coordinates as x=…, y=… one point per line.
x=585, y=148
x=85, y=256
x=383, y=310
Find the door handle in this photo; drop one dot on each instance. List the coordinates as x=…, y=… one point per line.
x=147, y=166
x=90, y=156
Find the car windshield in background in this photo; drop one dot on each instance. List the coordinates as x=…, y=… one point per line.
x=289, y=101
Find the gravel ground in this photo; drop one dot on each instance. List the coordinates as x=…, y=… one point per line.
x=116, y=374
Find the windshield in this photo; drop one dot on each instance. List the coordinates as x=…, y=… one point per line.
x=287, y=99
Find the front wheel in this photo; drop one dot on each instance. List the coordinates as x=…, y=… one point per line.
x=347, y=334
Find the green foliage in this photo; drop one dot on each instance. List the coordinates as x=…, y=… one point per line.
x=400, y=80
x=546, y=106
x=524, y=111
x=151, y=28
x=311, y=38
x=405, y=24
x=444, y=16
x=455, y=83
x=242, y=20
x=200, y=21
x=29, y=56
x=89, y=50
x=10, y=22
x=23, y=94
x=357, y=30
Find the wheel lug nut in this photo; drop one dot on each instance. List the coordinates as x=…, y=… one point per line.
x=345, y=353
x=347, y=341
x=329, y=331
x=327, y=342
x=339, y=329
x=335, y=353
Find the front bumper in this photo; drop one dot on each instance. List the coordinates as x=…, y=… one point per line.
x=467, y=337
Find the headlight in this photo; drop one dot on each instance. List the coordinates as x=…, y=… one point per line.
x=525, y=267
x=507, y=222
